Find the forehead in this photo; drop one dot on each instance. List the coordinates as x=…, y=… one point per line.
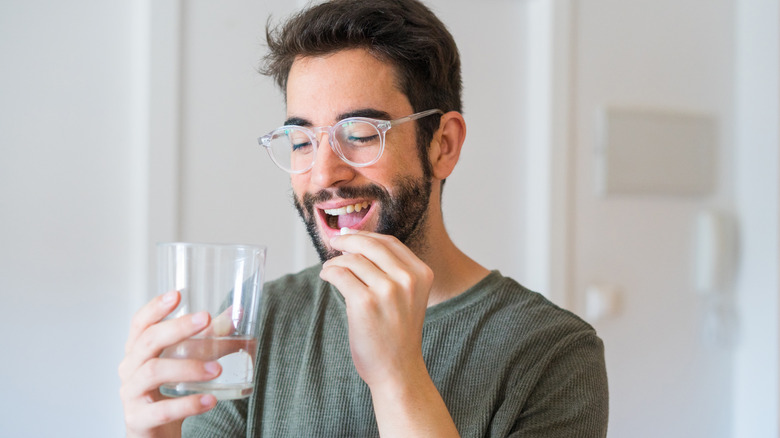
x=341, y=82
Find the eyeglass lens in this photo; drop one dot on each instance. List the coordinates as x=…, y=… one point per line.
x=356, y=141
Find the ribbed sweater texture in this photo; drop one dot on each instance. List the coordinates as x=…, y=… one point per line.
x=506, y=361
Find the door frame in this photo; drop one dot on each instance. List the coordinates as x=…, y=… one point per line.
x=549, y=140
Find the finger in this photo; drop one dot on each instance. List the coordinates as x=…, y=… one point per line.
x=375, y=247
x=359, y=266
x=344, y=280
x=224, y=324
x=153, y=312
x=356, y=241
x=145, y=416
x=156, y=372
x=362, y=283
x=403, y=270
x=386, y=252
x=161, y=335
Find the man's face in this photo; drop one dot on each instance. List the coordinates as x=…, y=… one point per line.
x=392, y=195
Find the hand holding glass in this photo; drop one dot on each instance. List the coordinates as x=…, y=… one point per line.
x=226, y=281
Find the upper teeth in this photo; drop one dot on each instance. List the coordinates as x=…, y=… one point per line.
x=346, y=209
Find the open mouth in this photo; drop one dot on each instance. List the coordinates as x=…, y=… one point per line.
x=349, y=216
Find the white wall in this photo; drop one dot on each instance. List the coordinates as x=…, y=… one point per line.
x=668, y=376
x=757, y=366
x=70, y=170
x=484, y=199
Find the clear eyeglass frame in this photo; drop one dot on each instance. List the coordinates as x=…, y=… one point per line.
x=312, y=135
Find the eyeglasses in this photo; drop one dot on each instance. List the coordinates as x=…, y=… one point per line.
x=359, y=141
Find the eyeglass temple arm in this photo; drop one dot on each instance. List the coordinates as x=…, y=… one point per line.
x=415, y=116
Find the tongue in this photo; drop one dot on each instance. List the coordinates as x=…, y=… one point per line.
x=350, y=220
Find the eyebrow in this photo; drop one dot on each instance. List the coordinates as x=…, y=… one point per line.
x=297, y=121
x=363, y=112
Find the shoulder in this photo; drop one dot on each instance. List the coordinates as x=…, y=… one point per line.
x=552, y=347
x=523, y=308
x=534, y=326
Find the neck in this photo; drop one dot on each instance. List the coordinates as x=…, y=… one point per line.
x=454, y=272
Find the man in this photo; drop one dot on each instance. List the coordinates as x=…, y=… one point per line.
x=398, y=332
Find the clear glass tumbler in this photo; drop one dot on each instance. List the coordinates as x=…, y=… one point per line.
x=226, y=281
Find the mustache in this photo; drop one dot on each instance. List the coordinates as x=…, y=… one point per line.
x=367, y=191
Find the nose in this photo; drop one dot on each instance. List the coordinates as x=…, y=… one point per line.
x=329, y=169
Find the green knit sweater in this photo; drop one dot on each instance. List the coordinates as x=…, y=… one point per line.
x=506, y=361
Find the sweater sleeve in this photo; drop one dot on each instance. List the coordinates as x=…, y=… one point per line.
x=571, y=397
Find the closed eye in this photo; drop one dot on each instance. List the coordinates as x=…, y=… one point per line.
x=358, y=141
x=301, y=147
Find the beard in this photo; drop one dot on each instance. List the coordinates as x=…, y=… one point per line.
x=401, y=215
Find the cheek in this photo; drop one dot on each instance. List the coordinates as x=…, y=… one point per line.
x=299, y=183
x=404, y=155
x=406, y=164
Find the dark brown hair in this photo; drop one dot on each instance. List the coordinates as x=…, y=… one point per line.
x=404, y=33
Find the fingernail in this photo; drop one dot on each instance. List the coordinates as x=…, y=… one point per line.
x=207, y=400
x=169, y=297
x=200, y=318
x=212, y=368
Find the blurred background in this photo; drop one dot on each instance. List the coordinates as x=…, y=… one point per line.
x=622, y=159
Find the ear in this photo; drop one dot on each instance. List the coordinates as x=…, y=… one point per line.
x=444, y=152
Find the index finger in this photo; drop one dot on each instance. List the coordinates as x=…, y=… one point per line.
x=383, y=250
x=151, y=313
x=351, y=239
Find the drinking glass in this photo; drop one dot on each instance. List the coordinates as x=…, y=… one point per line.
x=226, y=281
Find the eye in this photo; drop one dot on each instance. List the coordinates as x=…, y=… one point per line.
x=298, y=146
x=299, y=141
x=358, y=134
x=369, y=139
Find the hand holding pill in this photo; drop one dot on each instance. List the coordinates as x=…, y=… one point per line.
x=386, y=288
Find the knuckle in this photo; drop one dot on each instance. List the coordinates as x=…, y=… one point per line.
x=131, y=419
x=405, y=279
x=147, y=343
x=337, y=272
x=366, y=302
x=162, y=416
x=388, y=238
x=128, y=347
x=123, y=393
x=351, y=258
x=150, y=370
x=385, y=287
x=427, y=274
x=122, y=370
x=374, y=244
x=138, y=323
